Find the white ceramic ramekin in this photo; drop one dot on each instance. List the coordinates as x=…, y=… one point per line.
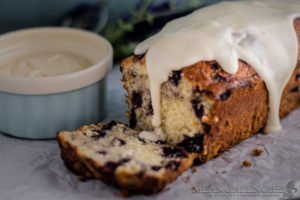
x=38, y=108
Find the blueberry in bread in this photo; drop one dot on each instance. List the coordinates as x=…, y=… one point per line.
x=203, y=108
x=122, y=157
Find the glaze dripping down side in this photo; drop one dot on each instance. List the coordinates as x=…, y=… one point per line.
x=259, y=33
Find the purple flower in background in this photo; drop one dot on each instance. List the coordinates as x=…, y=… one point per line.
x=126, y=31
x=91, y=17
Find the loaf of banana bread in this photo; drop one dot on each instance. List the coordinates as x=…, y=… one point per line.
x=122, y=157
x=204, y=109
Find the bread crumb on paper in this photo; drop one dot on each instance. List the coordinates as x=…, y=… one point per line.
x=247, y=163
x=257, y=152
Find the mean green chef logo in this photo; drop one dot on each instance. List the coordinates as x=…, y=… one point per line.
x=280, y=191
x=290, y=190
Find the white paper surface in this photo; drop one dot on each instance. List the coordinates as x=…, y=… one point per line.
x=32, y=170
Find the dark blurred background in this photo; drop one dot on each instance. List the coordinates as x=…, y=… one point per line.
x=123, y=22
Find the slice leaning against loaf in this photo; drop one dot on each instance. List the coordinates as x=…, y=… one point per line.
x=203, y=108
x=115, y=154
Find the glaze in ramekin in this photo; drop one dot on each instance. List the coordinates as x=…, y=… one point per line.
x=39, y=107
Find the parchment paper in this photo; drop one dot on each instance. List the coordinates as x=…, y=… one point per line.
x=32, y=170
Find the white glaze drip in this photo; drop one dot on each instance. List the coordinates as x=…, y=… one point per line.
x=259, y=32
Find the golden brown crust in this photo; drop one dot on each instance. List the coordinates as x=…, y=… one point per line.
x=243, y=115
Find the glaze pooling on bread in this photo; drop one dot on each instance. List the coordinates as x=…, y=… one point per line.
x=260, y=33
x=224, y=110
